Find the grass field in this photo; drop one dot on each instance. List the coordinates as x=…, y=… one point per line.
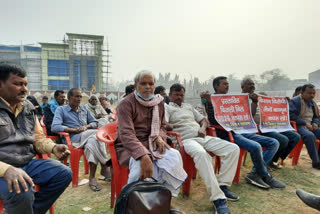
x=252, y=200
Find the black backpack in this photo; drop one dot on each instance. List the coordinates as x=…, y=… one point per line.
x=143, y=197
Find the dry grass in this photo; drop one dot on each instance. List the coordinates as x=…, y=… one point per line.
x=253, y=200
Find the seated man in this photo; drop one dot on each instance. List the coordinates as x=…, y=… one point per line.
x=50, y=108
x=97, y=111
x=38, y=109
x=21, y=137
x=44, y=101
x=253, y=143
x=141, y=134
x=305, y=112
x=287, y=139
x=183, y=118
x=128, y=90
x=105, y=104
x=162, y=91
x=77, y=120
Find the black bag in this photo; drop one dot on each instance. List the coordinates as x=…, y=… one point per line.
x=143, y=197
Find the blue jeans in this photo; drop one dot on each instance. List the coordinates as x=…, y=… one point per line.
x=52, y=177
x=287, y=140
x=253, y=143
x=309, y=139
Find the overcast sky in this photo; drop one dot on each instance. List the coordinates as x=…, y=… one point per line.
x=188, y=37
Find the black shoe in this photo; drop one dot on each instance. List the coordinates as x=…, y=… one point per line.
x=316, y=165
x=309, y=199
x=273, y=182
x=221, y=206
x=229, y=195
x=256, y=180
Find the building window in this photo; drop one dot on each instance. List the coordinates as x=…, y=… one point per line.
x=58, y=67
x=58, y=85
x=91, y=74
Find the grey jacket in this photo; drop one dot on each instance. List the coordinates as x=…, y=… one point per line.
x=17, y=135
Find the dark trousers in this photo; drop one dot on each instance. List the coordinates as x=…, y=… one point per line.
x=287, y=141
x=52, y=177
x=309, y=139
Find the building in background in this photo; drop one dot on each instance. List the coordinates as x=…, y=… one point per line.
x=79, y=60
x=314, y=78
x=29, y=57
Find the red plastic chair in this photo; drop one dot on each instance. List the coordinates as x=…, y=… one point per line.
x=114, y=115
x=45, y=130
x=295, y=153
x=243, y=153
x=107, y=134
x=188, y=163
x=51, y=210
x=75, y=159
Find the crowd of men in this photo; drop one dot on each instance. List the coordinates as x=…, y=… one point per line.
x=144, y=116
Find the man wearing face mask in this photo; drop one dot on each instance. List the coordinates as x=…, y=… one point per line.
x=141, y=134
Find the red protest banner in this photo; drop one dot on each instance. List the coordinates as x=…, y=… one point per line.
x=233, y=112
x=274, y=114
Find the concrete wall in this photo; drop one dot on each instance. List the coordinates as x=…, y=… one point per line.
x=29, y=60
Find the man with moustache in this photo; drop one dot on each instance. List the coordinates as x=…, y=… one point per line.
x=253, y=143
x=183, y=118
x=287, y=139
x=305, y=112
x=76, y=120
x=141, y=135
x=21, y=137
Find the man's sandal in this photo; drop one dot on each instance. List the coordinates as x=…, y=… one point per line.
x=95, y=187
x=106, y=179
x=176, y=210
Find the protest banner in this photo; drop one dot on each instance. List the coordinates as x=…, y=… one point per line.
x=233, y=113
x=274, y=114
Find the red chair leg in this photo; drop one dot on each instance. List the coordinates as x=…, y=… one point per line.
x=186, y=187
x=119, y=179
x=51, y=210
x=74, y=162
x=296, y=153
x=189, y=167
x=113, y=195
x=237, y=175
x=1, y=206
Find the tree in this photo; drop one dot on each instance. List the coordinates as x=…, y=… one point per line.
x=274, y=80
